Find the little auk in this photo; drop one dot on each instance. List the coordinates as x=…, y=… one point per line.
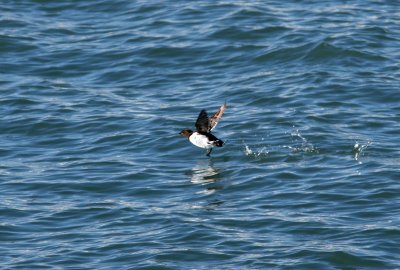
x=202, y=137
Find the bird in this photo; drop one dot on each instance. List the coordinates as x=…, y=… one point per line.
x=202, y=137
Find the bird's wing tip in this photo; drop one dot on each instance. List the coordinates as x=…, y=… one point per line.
x=215, y=118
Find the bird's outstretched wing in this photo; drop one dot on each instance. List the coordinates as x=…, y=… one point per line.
x=202, y=123
x=205, y=124
x=215, y=118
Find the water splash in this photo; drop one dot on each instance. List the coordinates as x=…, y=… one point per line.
x=247, y=150
x=262, y=151
x=359, y=150
x=301, y=143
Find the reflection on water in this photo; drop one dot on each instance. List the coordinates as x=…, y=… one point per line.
x=205, y=173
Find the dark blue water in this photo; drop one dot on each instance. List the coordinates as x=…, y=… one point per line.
x=93, y=172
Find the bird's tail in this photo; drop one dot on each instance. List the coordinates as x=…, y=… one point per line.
x=218, y=143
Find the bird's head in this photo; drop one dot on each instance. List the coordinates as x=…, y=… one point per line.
x=186, y=133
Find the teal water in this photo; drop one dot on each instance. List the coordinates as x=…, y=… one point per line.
x=93, y=172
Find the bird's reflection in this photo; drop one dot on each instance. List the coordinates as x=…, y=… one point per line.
x=206, y=174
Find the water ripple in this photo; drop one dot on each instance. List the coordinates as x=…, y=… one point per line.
x=94, y=174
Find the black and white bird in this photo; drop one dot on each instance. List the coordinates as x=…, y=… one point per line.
x=202, y=137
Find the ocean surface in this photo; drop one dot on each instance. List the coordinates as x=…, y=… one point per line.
x=94, y=173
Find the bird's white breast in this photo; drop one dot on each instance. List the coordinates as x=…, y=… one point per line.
x=200, y=140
